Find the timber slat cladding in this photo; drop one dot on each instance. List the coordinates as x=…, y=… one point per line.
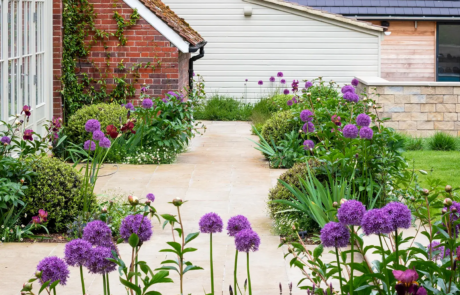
x=409, y=53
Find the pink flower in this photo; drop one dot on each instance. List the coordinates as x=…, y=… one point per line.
x=43, y=215
x=28, y=134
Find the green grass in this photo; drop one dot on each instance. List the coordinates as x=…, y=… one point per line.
x=438, y=164
x=221, y=108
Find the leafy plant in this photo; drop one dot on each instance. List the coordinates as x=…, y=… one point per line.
x=442, y=142
x=221, y=108
x=280, y=124
x=413, y=143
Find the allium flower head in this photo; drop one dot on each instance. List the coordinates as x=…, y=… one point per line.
x=290, y=102
x=150, y=197
x=260, y=82
x=92, y=125
x=98, y=233
x=308, y=144
x=400, y=215
x=5, y=140
x=348, y=88
x=441, y=251
x=308, y=127
x=308, y=84
x=76, y=252
x=454, y=216
x=54, y=269
x=366, y=133
x=129, y=106
x=211, y=223
x=98, y=135
x=147, y=103
x=363, y=120
x=105, y=143
x=351, y=97
x=280, y=75
x=294, y=99
x=355, y=82
x=237, y=224
x=137, y=224
x=28, y=134
x=350, y=131
x=335, y=234
x=306, y=116
x=282, y=81
x=97, y=262
x=272, y=79
x=247, y=240
x=376, y=221
x=286, y=91
x=351, y=212
x=89, y=144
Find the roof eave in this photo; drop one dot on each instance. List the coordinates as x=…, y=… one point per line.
x=402, y=17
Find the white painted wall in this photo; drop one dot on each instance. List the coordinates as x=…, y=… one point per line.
x=273, y=40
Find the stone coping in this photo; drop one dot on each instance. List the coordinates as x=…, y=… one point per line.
x=377, y=81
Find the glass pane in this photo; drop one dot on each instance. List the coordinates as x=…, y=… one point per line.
x=26, y=19
x=13, y=86
x=1, y=90
x=1, y=29
x=39, y=27
x=40, y=73
x=15, y=29
x=26, y=79
x=10, y=29
x=449, y=53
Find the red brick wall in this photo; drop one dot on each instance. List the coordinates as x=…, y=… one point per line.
x=144, y=44
x=57, y=55
x=183, y=71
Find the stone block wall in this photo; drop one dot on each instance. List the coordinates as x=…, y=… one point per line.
x=416, y=108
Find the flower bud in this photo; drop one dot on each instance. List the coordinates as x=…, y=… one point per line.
x=453, y=209
x=21, y=181
x=50, y=147
x=308, y=94
x=133, y=200
x=38, y=274
x=342, y=201
x=335, y=204
x=27, y=287
x=448, y=188
x=318, y=99
x=177, y=202
x=425, y=191
x=147, y=202
x=104, y=210
x=444, y=211
x=447, y=202
x=412, y=199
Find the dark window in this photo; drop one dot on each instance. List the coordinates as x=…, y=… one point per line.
x=448, y=52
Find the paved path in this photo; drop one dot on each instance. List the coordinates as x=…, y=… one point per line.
x=222, y=173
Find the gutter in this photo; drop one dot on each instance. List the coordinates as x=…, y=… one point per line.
x=200, y=46
x=451, y=18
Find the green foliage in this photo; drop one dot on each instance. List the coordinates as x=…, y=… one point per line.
x=264, y=109
x=106, y=114
x=278, y=125
x=56, y=188
x=123, y=25
x=412, y=143
x=221, y=108
x=443, y=142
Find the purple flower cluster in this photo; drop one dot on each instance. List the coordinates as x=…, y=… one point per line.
x=308, y=144
x=5, y=140
x=439, y=251
x=211, y=223
x=454, y=216
x=350, y=131
x=97, y=262
x=400, y=216
x=351, y=96
x=282, y=81
x=363, y=120
x=147, y=103
x=137, y=224
x=286, y=91
x=89, y=144
x=76, y=252
x=355, y=82
x=376, y=221
x=98, y=234
x=105, y=143
x=129, y=106
x=306, y=116
x=237, y=224
x=351, y=212
x=53, y=269
x=247, y=240
x=308, y=84
x=92, y=125
x=260, y=82
x=308, y=127
x=290, y=102
x=366, y=133
x=280, y=75
x=335, y=234
x=98, y=135
x=295, y=86
x=272, y=79
x=150, y=197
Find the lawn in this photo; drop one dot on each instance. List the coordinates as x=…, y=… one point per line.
x=442, y=165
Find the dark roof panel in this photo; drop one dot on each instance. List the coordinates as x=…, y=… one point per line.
x=410, y=8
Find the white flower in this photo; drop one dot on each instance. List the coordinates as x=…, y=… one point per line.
x=22, y=225
x=21, y=240
x=3, y=238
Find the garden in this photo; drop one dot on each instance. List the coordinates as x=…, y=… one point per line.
x=357, y=207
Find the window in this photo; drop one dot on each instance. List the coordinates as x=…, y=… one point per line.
x=448, y=52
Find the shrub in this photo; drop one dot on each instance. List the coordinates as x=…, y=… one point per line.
x=220, y=108
x=412, y=143
x=264, y=109
x=278, y=125
x=106, y=114
x=56, y=189
x=442, y=142
x=285, y=220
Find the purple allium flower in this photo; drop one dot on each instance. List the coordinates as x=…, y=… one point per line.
x=132, y=224
x=92, y=125
x=376, y=221
x=129, y=106
x=363, y=120
x=354, y=82
x=260, y=82
x=98, y=135
x=5, y=140
x=306, y=116
x=308, y=144
x=246, y=80
x=89, y=144
x=150, y=197
x=348, y=88
x=351, y=97
x=53, y=269
x=308, y=84
x=308, y=127
x=105, y=143
x=147, y=103
x=98, y=233
x=400, y=215
x=289, y=102
x=165, y=100
x=272, y=79
x=97, y=262
x=366, y=133
x=286, y=91
x=294, y=99
x=442, y=251
x=211, y=223
x=282, y=81
x=143, y=89
x=350, y=131
x=351, y=212
x=247, y=240
x=280, y=75
x=237, y=224
x=76, y=252
x=454, y=216
x=28, y=134
x=335, y=234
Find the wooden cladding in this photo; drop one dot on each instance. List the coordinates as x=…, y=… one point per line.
x=409, y=53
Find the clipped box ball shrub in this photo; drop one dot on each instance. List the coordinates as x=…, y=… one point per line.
x=56, y=189
x=106, y=114
x=278, y=125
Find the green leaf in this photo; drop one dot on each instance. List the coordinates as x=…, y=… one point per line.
x=133, y=240
x=44, y=286
x=186, y=250
x=176, y=246
x=131, y=286
x=153, y=293
x=364, y=287
x=318, y=251
x=161, y=277
x=190, y=237
x=192, y=267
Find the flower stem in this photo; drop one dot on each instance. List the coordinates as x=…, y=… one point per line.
x=137, y=266
x=235, y=271
x=249, y=276
x=104, y=283
x=386, y=271
x=108, y=284
x=352, y=258
x=181, y=258
x=396, y=246
x=339, y=269
x=212, y=268
x=82, y=280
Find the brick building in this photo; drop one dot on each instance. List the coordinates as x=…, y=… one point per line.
x=159, y=38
